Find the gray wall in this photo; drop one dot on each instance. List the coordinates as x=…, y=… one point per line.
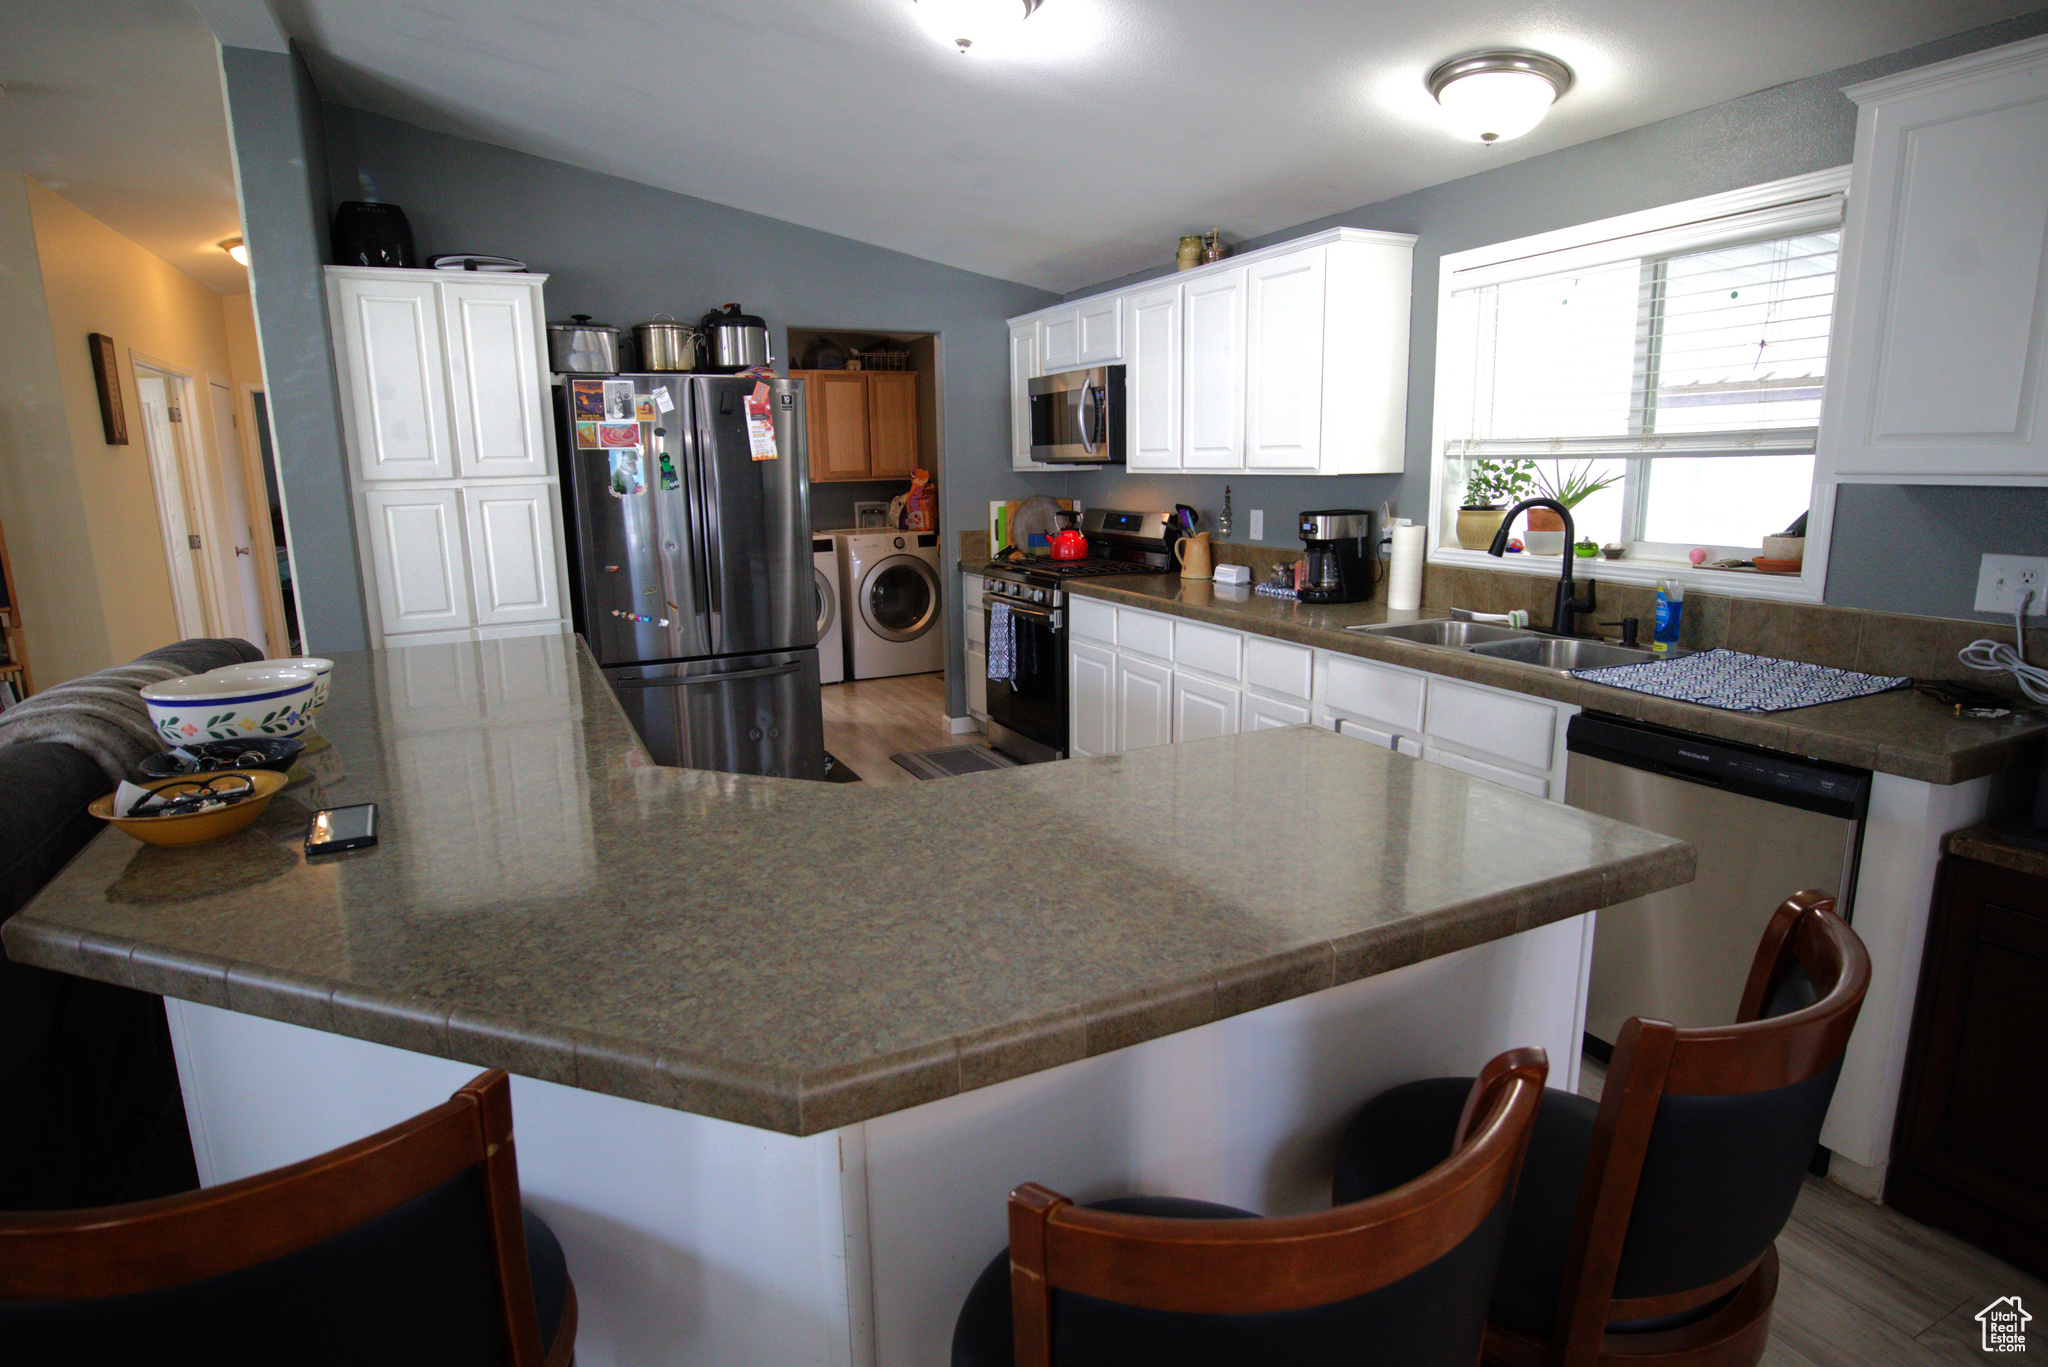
x=274, y=119
x=622, y=252
x=1903, y=550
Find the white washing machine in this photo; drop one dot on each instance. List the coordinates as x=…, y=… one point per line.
x=892, y=620
x=831, y=609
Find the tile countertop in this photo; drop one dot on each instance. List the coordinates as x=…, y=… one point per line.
x=799, y=956
x=1899, y=733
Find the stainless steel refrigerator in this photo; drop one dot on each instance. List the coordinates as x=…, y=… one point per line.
x=692, y=566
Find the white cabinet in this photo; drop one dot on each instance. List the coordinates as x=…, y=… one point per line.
x=1202, y=708
x=1102, y=335
x=1144, y=703
x=1287, y=360
x=451, y=453
x=395, y=399
x=1059, y=340
x=975, y=621
x=1152, y=379
x=420, y=569
x=500, y=416
x=1023, y=370
x=1284, y=356
x=1260, y=713
x=1212, y=422
x=1091, y=699
x=1938, y=370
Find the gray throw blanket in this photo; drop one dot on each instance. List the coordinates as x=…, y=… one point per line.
x=101, y=715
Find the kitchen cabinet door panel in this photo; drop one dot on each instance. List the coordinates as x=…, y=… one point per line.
x=838, y=405
x=977, y=680
x=1101, y=324
x=1203, y=709
x=417, y=558
x=495, y=380
x=512, y=552
x=1260, y=713
x=1152, y=380
x=892, y=423
x=397, y=398
x=1504, y=726
x=1023, y=370
x=1284, y=388
x=1091, y=699
x=1144, y=703
x=1531, y=784
x=1059, y=341
x=1212, y=424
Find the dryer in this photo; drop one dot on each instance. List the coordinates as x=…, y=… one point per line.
x=831, y=609
x=892, y=619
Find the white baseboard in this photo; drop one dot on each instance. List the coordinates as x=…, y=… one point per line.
x=963, y=726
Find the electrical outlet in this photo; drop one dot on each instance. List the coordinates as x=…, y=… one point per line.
x=2002, y=578
x=1258, y=524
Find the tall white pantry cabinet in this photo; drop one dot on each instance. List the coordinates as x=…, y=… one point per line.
x=445, y=404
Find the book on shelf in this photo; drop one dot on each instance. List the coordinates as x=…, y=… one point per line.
x=10, y=694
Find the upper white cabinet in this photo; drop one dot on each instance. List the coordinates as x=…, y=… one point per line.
x=1939, y=364
x=1212, y=422
x=1023, y=370
x=396, y=386
x=445, y=399
x=1288, y=360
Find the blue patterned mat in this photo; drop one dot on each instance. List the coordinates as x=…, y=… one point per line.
x=1735, y=682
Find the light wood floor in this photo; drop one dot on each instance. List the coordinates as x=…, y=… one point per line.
x=1860, y=1285
x=871, y=719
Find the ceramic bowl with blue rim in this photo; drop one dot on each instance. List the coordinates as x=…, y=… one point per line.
x=323, y=673
x=274, y=701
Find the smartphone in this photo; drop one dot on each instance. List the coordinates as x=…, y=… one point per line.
x=342, y=828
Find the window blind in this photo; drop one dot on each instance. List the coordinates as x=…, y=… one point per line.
x=1709, y=351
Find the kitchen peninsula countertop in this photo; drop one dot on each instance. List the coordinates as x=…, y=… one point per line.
x=800, y=956
x=1898, y=733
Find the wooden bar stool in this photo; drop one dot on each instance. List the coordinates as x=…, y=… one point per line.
x=1643, y=1228
x=1402, y=1278
x=409, y=1246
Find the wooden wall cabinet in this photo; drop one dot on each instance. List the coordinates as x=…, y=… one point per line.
x=1968, y=1153
x=863, y=423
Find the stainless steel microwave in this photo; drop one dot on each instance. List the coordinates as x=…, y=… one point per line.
x=1077, y=417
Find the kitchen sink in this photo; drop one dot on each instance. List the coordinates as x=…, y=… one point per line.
x=1562, y=653
x=1460, y=635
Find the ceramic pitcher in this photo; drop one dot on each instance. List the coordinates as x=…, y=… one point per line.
x=1191, y=553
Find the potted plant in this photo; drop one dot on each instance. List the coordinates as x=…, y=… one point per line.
x=1490, y=486
x=1546, y=528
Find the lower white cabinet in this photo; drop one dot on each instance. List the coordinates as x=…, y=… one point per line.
x=975, y=622
x=512, y=552
x=1256, y=712
x=418, y=566
x=1203, y=709
x=1091, y=699
x=1144, y=703
x=469, y=561
x=1491, y=733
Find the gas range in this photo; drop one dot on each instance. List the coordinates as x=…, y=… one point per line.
x=1037, y=579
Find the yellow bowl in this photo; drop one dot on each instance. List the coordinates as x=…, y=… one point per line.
x=196, y=828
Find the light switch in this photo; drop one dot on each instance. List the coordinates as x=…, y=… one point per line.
x=1258, y=524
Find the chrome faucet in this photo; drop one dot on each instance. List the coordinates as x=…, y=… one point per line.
x=1566, y=605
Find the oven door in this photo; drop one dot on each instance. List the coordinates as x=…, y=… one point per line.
x=1077, y=417
x=1031, y=702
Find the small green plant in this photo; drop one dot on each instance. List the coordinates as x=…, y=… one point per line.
x=1574, y=488
x=1495, y=483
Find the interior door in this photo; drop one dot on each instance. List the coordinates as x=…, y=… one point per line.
x=238, y=524
x=173, y=503
x=755, y=515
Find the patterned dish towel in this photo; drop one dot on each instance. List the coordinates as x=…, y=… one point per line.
x=1735, y=682
x=1002, y=644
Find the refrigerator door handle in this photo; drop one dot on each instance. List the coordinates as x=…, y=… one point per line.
x=714, y=548
x=692, y=680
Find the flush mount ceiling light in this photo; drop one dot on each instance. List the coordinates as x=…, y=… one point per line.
x=1494, y=96
x=967, y=22
x=234, y=247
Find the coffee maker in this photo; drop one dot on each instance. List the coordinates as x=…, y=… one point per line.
x=1340, y=558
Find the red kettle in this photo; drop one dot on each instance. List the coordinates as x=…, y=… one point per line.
x=1067, y=542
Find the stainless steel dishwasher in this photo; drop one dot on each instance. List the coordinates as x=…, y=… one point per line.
x=1765, y=824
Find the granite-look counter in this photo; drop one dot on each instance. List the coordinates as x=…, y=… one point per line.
x=799, y=956
x=1987, y=845
x=1898, y=733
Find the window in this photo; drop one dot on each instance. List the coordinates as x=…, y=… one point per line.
x=1673, y=360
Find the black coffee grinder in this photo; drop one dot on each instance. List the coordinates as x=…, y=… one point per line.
x=1340, y=558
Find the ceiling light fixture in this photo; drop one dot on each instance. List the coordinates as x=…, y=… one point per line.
x=1494, y=96
x=966, y=22
x=235, y=247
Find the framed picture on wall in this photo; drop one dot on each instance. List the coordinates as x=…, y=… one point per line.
x=106, y=373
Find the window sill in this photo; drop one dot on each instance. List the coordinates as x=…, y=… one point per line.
x=1805, y=587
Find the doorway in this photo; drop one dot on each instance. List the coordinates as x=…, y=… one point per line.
x=276, y=554
x=237, y=555
x=168, y=421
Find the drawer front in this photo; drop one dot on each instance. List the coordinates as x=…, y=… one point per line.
x=1492, y=773
x=1265, y=714
x=1278, y=667
x=1147, y=633
x=1091, y=620
x=1213, y=650
x=1514, y=730
x=1393, y=696
x=973, y=617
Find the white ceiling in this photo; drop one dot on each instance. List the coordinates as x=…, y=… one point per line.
x=116, y=105
x=1081, y=150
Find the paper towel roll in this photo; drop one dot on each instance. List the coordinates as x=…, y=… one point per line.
x=1404, y=579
